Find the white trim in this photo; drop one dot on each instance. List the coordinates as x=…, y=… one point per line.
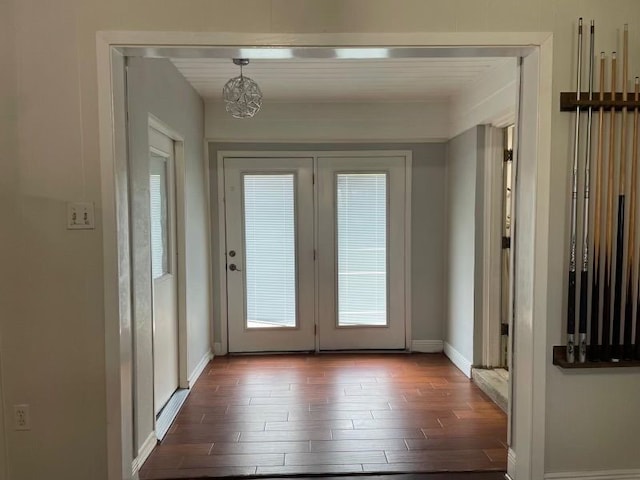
x=500, y=43
x=408, y=316
x=116, y=259
x=535, y=334
x=511, y=463
x=600, y=475
x=427, y=346
x=207, y=185
x=222, y=347
x=492, y=248
x=199, y=368
x=144, y=452
x=505, y=120
x=532, y=342
x=458, y=359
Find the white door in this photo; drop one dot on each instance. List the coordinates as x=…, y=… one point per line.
x=270, y=264
x=163, y=267
x=361, y=252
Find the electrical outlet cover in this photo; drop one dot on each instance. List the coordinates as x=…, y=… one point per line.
x=22, y=419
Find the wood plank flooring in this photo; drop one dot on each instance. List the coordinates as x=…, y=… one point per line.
x=331, y=414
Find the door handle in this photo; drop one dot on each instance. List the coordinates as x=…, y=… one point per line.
x=233, y=268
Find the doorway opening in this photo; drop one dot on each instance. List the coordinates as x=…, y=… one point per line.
x=123, y=436
x=492, y=376
x=167, y=395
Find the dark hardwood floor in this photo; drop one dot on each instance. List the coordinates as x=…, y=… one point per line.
x=332, y=414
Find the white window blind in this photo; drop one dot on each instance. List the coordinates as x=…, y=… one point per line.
x=362, y=248
x=159, y=230
x=270, y=250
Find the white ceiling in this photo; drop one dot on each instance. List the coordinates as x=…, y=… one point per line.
x=332, y=80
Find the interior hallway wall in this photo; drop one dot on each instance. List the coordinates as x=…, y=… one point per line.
x=8, y=187
x=53, y=319
x=331, y=122
x=157, y=88
x=427, y=224
x=464, y=199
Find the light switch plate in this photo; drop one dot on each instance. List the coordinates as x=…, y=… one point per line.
x=80, y=216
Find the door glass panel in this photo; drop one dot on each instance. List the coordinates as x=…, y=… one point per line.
x=159, y=227
x=362, y=249
x=270, y=250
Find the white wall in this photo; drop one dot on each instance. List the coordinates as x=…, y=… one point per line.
x=157, y=88
x=53, y=320
x=427, y=226
x=7, y=183
x=464, y=195
x=332, y=122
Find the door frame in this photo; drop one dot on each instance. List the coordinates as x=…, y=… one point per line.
x=493, y=157
x=221, y=274
x=535, y=51
x=181, y=269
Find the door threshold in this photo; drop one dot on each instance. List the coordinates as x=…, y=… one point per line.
x=367, y=350
x=169, y=412
x=269, y=352
x=494, y=383
x=320, y=352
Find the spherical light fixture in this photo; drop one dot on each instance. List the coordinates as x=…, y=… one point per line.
x=242, y=96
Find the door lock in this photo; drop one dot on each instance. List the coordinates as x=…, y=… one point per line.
x=232, y=253
x=233, y=268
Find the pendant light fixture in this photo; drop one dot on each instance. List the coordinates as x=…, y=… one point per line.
x=242, y=96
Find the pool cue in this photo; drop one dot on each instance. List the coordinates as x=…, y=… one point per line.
x=605, y=350
x=594, y=347
x=631, y=242
x=616, y=349
x=635, y=159
x=584, y=275
x=571, y=304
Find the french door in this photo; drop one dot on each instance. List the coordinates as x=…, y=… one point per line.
x=361, y=251
x=315, y=265
x=270, y=265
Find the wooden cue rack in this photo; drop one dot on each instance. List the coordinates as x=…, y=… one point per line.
x=569, y=103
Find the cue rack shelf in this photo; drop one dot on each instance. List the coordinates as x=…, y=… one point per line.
x=560, y=360
x=569, y=103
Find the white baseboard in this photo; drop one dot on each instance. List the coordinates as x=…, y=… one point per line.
x=511, y=463
x=206, y=358
x=601, y=475
x=144, y=452
x=458, y=359
x=427, y=346
x=217, y=348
